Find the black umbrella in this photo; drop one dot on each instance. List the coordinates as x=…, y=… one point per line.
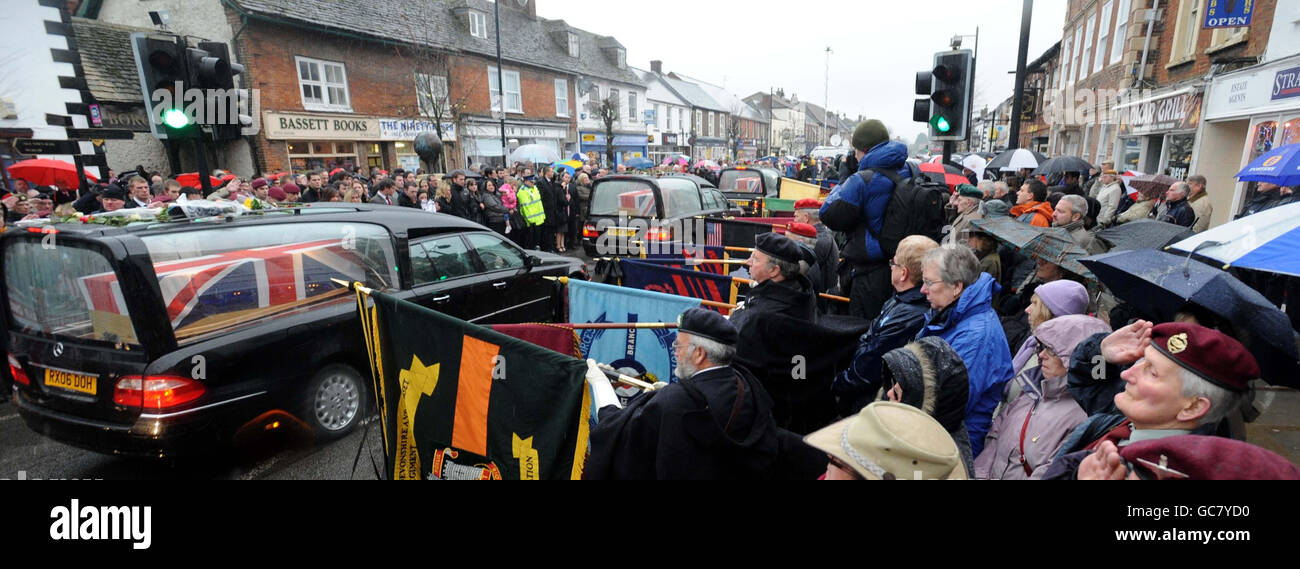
x=1161, y=284
x=1062, y=164
x=1152, y=182
x=1143, y=234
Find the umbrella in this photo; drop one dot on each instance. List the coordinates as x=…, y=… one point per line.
x=1151, y=182
x=1051, y=244
x=535, y=153
x=639, y=163
x=1143, y=234
x=975, y=164
x=1279, y=166
x=944, y=174
x=49, y=172
x=1062, y=164
x=192, y=179
x=708, y=164
x=569, y=166
x=1266, y=241
x=1160, y=284
x=577, y=156
x=1015, y=159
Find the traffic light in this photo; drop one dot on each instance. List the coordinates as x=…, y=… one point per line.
x=160, y=63
x=950, y=94
x=216, y=75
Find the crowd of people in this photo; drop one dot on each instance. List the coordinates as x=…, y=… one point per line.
x=978, y=362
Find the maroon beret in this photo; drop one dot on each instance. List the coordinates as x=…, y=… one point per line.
x=291, y=188
x=258, y=183
x=1208, y=458
x=801, y=229
x=276, y=194
x=1210, y=354
x=807, y=203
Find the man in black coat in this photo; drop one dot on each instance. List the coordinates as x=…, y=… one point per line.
x=901, y=318
x=774, y=266
x=715, y=423
x=1179, y=210
x=461, y=201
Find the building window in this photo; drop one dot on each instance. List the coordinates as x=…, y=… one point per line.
x=631, y=106
x=1224, y=37
x=1069, y=58
x=1121, y=31
x=431, y=94
x=478, y=24
x=561, y=98
x=681, y=119
x=1078, y=51
x=669, y=118
x=1183, y=47
x=722, y=122
x=1103, y=33
x=613, y=96
x=514, y=97
x=573, y=44
x=324, y=85
x=1085, y=64
x=621, y=55
x=708, y=123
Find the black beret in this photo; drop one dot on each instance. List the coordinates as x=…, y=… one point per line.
x=779, y=247
x=1208, y=353
x=707, y=324
x=113, y=191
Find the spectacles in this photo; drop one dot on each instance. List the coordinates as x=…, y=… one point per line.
x=929, y=283
x=893, y=264
x=1042, y=347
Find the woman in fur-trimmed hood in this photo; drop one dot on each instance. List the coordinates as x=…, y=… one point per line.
x=929, y=375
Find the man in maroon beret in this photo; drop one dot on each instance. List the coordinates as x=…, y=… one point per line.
x=1186, y=457
x=1184, y=379
x=828, y=253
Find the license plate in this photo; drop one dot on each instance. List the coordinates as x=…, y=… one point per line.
x=621, y=232
x=71, y=381
x=742, y=203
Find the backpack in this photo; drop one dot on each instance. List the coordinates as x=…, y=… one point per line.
x=915, y=208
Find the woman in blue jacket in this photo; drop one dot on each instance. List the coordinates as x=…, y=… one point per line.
x=961, y=312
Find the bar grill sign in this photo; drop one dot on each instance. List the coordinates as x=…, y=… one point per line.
x=1228, y=13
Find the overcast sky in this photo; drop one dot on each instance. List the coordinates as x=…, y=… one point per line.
x=878, y=46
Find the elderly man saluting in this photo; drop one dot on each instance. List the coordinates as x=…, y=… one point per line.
x=1183, y=379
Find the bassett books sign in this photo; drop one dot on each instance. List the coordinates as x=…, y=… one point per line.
x=1228, y=13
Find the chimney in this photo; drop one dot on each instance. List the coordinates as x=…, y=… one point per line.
x=657, y=66
x=780, y=93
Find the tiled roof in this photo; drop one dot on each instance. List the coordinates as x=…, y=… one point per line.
x=693, y=94
x=108, y=60
x=440, y=24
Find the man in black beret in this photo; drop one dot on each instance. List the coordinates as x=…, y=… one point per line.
x=112, y=198
x=780, y=287
x=1182, y=379
x=714, y=423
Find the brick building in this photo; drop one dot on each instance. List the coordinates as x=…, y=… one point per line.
x=1040, y=76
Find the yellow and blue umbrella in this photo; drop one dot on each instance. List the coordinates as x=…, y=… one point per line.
x=1279, y=166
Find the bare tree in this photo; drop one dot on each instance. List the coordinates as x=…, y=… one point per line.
x=607, y=111
x=733, y=129
x=434, y=86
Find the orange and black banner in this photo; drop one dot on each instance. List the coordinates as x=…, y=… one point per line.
x=460, y=401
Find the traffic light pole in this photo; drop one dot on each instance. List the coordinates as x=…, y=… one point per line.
x=201, y=154
x=948, y=146
x=1018, y=98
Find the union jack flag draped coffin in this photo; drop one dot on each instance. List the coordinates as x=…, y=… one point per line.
x=276, y=277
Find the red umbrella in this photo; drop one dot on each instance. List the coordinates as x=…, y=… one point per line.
x=944, y=173
x=48, y=172
x=192, y=179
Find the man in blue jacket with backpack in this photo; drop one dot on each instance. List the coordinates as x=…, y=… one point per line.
x=860, y=207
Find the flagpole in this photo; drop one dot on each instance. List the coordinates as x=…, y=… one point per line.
x=625, y=379
x=352, y=285
x=623, y=325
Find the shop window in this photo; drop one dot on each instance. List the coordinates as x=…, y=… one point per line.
x=343, y=147
x=1180, y=154
x=320, y=148
x=298, y=148
x=1131, y=154
x=1290, y=131
x=375, y=149
x=1262, y=140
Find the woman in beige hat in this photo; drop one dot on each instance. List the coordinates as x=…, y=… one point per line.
x=888, y=441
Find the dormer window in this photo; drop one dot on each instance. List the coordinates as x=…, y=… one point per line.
x=478, y=24
x=621, y=55
x=573, y=44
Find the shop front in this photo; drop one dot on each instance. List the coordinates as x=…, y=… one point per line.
x=325, y=142
x=1248, y=112
x=670, y=144
x=1157, y=135
x=482, y=139
x=705, y=148
x=626, y=146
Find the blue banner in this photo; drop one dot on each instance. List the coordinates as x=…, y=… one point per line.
x=1228, y=13
x=686, y=251
x=1286, y=84
x=646, y=354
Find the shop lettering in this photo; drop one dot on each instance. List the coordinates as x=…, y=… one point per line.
x=1237, y=92
x=1234, y=22
x=1163, y=111
x=324, y=124
x=350, y=126
x=1286, y=83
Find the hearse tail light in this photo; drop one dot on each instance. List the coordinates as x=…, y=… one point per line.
x=156, y=392
x=661, y=234
x=589, y=230
x=16, y=370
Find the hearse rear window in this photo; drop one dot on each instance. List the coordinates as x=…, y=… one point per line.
x=65, y=289
x=743, y=181
x=215, y=279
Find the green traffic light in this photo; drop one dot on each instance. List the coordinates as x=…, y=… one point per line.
x=940, y=123
x=175, y=118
